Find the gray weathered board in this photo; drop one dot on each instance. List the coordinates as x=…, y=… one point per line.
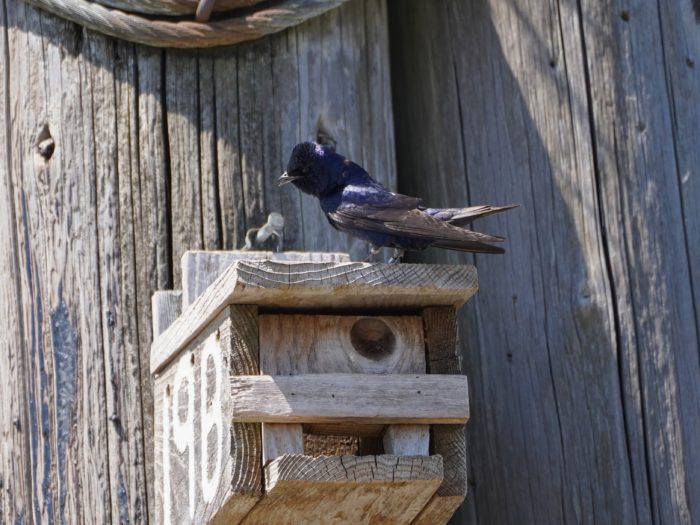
x=116, y=159
x=582, y=345
x=583, y=349
x=201, y=268
x=207, y=468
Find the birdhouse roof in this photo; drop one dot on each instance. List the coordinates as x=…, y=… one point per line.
x=314, y=286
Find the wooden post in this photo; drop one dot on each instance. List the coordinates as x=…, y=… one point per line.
x=116, y=159
x=583, y=346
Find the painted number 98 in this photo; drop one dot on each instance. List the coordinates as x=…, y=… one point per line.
x=192, y=411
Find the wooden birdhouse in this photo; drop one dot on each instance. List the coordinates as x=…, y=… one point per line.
x=309, y=389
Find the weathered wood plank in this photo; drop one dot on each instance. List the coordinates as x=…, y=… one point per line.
x=442, y=349
x=143, y=186
x=231, y=204
x=183, y=135
x=680, y=43
x=206, y=467
x=635, y=126
x=241, y=335
x=119, y=331
x=441, y=344
x=62, y=318
x=407, y=440
x=317, y=285
x=366, y=489
x=324, y=344
x=254, y=66
x=52, y=69
x=210, y=208
x=167, y=306
x=573, y=111
x=359, y=398
x=15, y=453
x=280, y=439
x=201, y=268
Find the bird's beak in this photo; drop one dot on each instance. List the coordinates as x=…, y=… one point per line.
x=285, y=179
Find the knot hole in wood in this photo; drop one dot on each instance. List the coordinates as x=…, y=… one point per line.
x=45, y=144
x=372, y=338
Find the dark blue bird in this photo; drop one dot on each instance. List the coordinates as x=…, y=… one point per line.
x=355, y=203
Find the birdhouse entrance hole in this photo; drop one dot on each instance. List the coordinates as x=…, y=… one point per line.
x=372, y=338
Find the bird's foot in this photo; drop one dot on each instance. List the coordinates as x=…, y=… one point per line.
x=373, y=250
x=396, y=256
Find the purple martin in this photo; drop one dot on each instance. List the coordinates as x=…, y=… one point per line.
x=355, y=203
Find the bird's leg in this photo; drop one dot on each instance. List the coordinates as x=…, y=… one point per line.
x=396, y=256
x=373, y=250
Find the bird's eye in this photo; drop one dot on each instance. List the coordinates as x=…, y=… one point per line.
x=305, y=169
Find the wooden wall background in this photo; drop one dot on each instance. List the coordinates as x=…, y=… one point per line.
x=582, y=346
x=583, y=340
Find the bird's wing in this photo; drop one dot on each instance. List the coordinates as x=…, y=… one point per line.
x=462, y=216
x=376, y=195
x=412, y=223
x=403, y=202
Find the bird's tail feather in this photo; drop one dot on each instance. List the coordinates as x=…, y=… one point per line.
x=462, y=216
x=469, y=246
x=467, y=215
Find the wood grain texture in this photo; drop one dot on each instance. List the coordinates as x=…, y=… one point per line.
x=323, y=344
x=359, y=398
x=357, y=489
x=439, y=510
x=442, y=354
x=55, y=243
x=15, y=451
x=242, y=336
x=407, y=440
x=441, y=345
x=583, y=113
x=144, y=196
x=167, y=306
x=92, y=228
x=280, y=439
x=318, y=285
x=126, y=440
x=201, y=268
x=206, y=467
x=304, y=343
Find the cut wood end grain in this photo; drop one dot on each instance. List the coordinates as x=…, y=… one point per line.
x=356, y=469
x=346, y=489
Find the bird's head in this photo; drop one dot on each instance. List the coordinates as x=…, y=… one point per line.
x=312, y=168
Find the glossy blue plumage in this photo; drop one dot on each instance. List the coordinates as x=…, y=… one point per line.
x=357, y=204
